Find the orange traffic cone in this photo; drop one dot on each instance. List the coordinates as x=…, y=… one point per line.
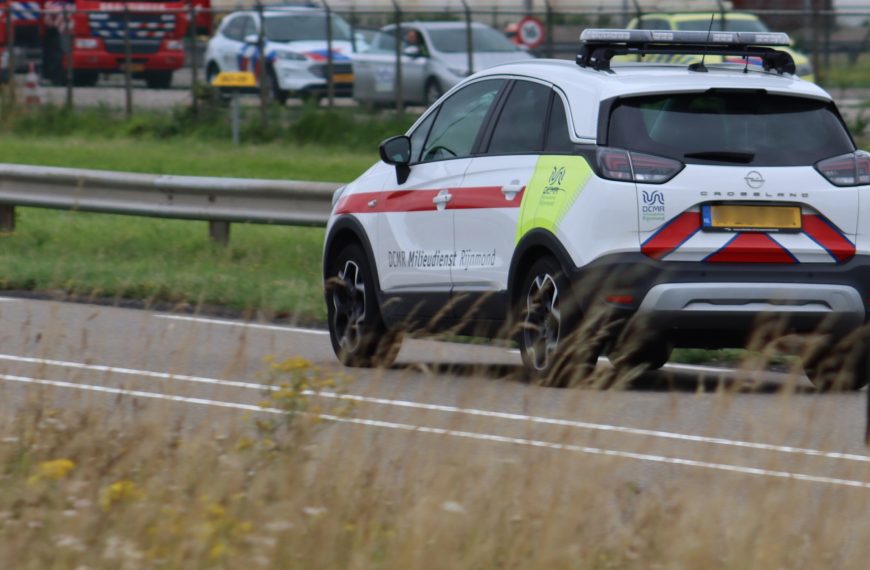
x=31, y=87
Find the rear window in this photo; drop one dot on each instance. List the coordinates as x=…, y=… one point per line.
x=727, y=127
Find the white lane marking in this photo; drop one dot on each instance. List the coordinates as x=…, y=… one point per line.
x=453, y=433
x=242, y=324
x=453, y=409
x=8, y=300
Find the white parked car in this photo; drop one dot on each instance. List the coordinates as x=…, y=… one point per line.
x=433, y=61
x=295, y=46
x=626, y=210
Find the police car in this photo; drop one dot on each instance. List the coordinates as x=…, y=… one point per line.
x=296, y=47
x=586, y=208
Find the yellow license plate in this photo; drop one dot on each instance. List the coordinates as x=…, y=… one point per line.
x=343, y=78
x=134, y=67
x=725, y=217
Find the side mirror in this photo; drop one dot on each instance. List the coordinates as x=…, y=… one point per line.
x=252, y=39
x=397, y=151
x=413, y=51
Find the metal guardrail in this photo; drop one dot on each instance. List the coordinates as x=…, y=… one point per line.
x=219, y=201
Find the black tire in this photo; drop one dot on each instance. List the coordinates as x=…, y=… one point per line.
x=550, y=342
x=278, y=95
x=85, y=78
x=211, y=71
x=432, y=92
x=358, y=333
x=158, y=79
x=844, y=367
x=644, y=355
x=52, y=62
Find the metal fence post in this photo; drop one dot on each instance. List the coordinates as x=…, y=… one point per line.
x=10, y=53
x=70, y=46
x=128, y=65
x=397, y=78
x=260, y=68
x=194, y=102
x=330, y=66
x=549, y=28
x=469, y=37
x=815, y=40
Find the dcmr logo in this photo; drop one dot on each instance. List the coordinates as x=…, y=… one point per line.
x=653, y=207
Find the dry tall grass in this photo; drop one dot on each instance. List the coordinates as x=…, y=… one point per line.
x=154, y=489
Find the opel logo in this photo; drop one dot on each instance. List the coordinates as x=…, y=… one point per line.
x=754, y=180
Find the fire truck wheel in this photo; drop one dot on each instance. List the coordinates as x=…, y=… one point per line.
x=85, y=78
x=158, y=79
x=52, y=62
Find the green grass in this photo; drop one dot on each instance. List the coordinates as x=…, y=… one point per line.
x=193, y=157
x=273, y=269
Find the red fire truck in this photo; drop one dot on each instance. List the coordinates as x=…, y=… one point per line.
x=92, y=39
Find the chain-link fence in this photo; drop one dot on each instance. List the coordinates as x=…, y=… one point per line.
x=128, y=56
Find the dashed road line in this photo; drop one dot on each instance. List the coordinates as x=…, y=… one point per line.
x=451, y=409
x=455, y=433
x=259, y=326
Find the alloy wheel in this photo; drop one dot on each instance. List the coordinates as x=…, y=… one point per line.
x=349, y=301
x=543, y=321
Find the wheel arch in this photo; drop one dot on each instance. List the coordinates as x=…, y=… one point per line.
x=533, y=246
x=347, y=230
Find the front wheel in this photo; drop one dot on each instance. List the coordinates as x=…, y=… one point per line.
x=158, y=79
x=357, y=331
x=548, y=336
x=433, y=91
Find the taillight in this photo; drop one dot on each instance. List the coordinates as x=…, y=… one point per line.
x=627, y=166
x=851, y=169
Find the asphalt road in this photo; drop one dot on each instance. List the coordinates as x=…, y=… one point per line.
x=680, y=423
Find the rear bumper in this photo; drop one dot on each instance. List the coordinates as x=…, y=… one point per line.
x=698, y=304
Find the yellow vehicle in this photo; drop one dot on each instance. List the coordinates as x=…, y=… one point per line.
x=700, y=21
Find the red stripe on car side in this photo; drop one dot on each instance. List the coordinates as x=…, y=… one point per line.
x=823, y=233
x=752, y=248
x=421, y=200
x=672, y=235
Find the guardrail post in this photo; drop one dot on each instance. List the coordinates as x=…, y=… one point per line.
x=7, y=218
x=219, y=232
x=128, y=65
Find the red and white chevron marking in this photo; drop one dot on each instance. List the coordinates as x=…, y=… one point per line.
x=683, y=239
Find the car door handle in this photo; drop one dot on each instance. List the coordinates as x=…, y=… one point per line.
x=511, y=190
x=442, y=199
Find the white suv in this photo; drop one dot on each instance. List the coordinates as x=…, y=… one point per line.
x=587, y=209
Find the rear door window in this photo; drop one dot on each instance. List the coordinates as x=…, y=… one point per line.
x=730, y=127
x=520, y=127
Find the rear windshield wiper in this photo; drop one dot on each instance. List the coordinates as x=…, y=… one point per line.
x=723, y=156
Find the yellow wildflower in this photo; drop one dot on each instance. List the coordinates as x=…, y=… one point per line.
x=53, y=470
x=123, y=491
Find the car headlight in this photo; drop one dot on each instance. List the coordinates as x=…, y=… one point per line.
x=86, y=43
x=174, y=45
x=290, y=56
x=458, y=71
x=804, y=69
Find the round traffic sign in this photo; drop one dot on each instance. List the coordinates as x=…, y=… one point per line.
x=531, y=32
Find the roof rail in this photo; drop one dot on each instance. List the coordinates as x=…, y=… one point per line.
x=599, y=46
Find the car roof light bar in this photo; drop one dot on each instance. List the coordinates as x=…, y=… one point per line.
x=599, y=46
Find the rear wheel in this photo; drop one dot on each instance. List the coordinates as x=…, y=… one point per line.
x=640, y=355
x=357, y=331
x=52, y=61
x=278, y=95
x=85, y=78
x=548, y=337
x=158, y=79
x=846, y=366
x=433, y=91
